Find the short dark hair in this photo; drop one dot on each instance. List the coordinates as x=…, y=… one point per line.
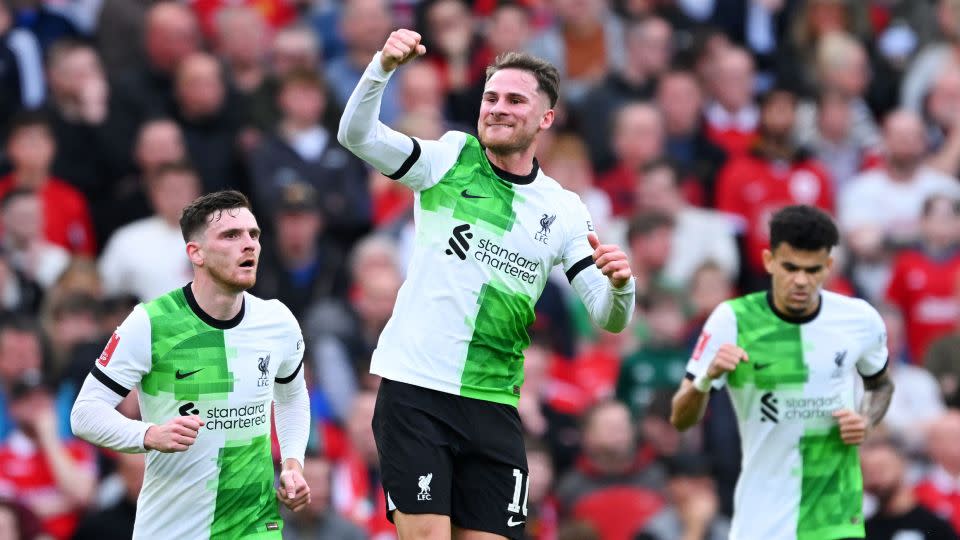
x=645, y=223
x=27, y=119
x=194, y=217
x=803, y=227
x=548, y=78
x=172, y=167
x=304, y=77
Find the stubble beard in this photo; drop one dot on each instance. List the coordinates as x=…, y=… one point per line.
x=225, y=280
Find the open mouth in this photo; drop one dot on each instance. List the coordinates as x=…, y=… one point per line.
x=247, y=264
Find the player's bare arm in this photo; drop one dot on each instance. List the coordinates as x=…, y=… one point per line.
x=402, y=46
x=690, y=402
x=612, y=262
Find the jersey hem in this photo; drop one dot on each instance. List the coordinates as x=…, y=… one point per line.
x=443, y=386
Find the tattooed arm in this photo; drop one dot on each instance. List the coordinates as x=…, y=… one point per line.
x=876, y=398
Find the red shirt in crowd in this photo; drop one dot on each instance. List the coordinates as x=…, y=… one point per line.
x=66, y=216
x=732, y=140
x=26, y=476
x=276, y=13
x=940, y=494
x=753, y=188
x=925, y=291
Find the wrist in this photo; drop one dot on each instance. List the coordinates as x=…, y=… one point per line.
x=148, y=442
x=292, y=464
x=703, y=383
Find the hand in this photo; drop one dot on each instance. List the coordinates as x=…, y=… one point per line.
x=698, y=508
x=726, y=360
x=293, y=491
x=611, y=260
x=853, y=427
x=402, y=46
x=177, y=435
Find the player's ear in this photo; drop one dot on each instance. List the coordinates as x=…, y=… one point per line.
x=547, y=120
x=195, y=253
x=768, y=260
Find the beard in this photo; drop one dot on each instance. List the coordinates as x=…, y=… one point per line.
x=228, y=281
x=517, y=143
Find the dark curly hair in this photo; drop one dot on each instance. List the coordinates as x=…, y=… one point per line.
x=197, y=214
x=803, y=227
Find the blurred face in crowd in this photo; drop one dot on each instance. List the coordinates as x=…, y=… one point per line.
x=778, y=115
x=241, y=35
x=19, y=353
x=682, y=488
x=608, y=438
x=293, y=48
x=584, y=13
x=160, y=142
x=450, y=25
x=731, y=80
x=905, y=140
x=942, y=442
x=75, y=70
x=513, y=112
x=22, y=220
x=302, y=104
x=797, y=276
x=359, y=426
x=25, y=410
x=709, y=287
x=680, y=100
x=297, y=233
x=650, y=250
x=229, y=249
x=834, y=118
x=650, y=47
x=943, y=103
x=569, y=164
x=31, y=149
x=666, y=320
x=378, y=294
x=825, y=16
x=171, y=192
x=365, y=25
x=171, y=35
x=420, y=88
x=658, y=191
x=638, y=134
x=850, y=73
x=883, y=472
x=316, y=473
x=508, y=29
x=940, y=227
x=200, y=88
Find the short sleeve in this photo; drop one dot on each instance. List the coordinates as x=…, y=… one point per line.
x=126, y=357
x=429, y=161
x=293, y=358
x=720, y=329
x=577, y=255
x=873, y=361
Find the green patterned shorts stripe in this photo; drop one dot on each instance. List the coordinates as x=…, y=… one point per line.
x=246, y=505
x=831, y=493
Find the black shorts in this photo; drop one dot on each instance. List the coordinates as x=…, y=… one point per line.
x=446, y=454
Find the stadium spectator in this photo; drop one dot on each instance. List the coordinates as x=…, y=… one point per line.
x=148, y=257
x=933, y=59
x=52, y=476
x=452, y=41
x=680, y=100
x=693, y=508
x=22, y=82
x=241, y=44
x=940, y=112
x=542, y=513
x=301, y=149
x=32, y=148
x=833, y=142
x=24, y=246
x=704, y=234
x=319, y=519
x=650, y=240
x=649, y=50
x=568, y=162
x=774, y=174
x=115, y=520
x=942, y=359
x=302, y=266
x=897, y=513
x=924, y=277
x=732, y=117
x=636, y=138
x=939, y=491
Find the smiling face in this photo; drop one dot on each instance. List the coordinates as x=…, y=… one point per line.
x=513, y=112
x=229, y=249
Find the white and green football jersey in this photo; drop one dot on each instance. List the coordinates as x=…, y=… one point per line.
x=184, y=362
x=798, y=479
x=485, y=243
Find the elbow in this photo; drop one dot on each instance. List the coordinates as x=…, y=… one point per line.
x=76, y=422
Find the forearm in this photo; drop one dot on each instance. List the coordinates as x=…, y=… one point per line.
x=292, y=419
x=610, y=308
x=76, y=483
x=360, y=129
x=876, y=399
x=689, y=406
x=95, y=419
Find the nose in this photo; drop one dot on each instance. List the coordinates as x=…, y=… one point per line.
x=801, y=278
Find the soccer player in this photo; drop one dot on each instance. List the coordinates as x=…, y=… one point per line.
x=208, y=360
x=789, y=358
x=490, y=225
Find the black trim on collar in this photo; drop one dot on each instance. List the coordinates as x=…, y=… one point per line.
x=108, y=382
x=515, y=178
x=205, y=317
x=790, y=318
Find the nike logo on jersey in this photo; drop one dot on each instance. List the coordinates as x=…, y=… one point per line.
x=180, y=375
x=758, y=367
x=466, y=195
x=512, y=523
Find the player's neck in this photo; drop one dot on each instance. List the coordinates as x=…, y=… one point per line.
x=784, y=313
x=215, y=300
x=518, y=163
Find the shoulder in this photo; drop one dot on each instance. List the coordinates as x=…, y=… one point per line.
x=272, y=310
x=850, y=308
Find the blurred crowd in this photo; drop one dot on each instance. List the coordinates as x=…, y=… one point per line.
x=683, y=124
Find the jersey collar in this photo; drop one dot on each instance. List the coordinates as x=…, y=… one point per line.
x=515, y=178
x=205, y=317
x=790, y=318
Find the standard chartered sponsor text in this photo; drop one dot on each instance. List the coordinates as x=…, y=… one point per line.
x=236, y=417
x=506, y=261
x=813, y=407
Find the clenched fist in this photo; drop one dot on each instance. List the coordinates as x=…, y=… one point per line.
x=611, y=260
x=726, y=360
x=177, y=435
x=402, y=46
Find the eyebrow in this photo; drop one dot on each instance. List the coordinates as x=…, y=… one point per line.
x=509, y=94
x=254, y=231
x=791, y=266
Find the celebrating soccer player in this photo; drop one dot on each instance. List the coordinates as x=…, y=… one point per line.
x=789, y=358
x=490, y=227
x=208, y=359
